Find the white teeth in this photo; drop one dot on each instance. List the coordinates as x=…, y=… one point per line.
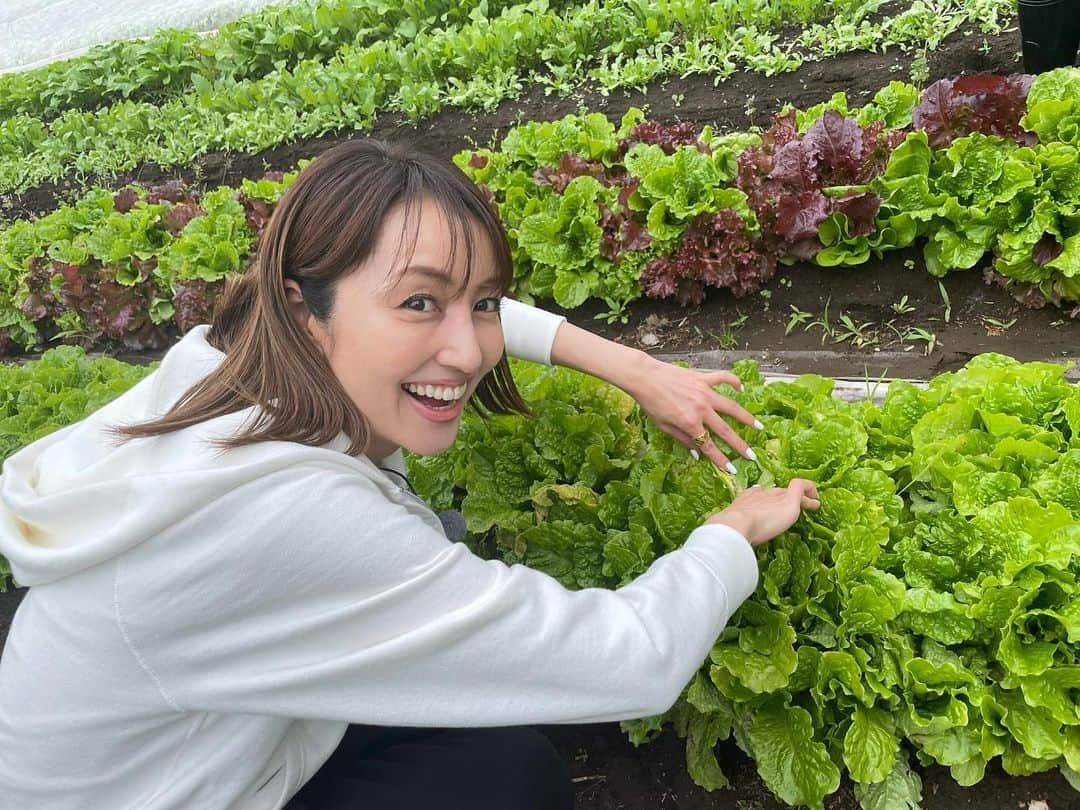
x=437, y=391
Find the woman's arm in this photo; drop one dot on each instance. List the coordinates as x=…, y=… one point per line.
x=360, y=609
x=681, y=401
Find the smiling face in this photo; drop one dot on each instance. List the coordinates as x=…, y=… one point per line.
x=403, y=321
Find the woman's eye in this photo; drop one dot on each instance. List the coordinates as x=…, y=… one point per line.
x=489, y=304
x=419, y=303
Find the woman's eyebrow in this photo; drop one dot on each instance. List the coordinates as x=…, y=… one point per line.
x=441, y=276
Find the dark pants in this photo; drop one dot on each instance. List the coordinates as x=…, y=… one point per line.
x=375, y=768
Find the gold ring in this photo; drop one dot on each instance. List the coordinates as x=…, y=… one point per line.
x=700, y=441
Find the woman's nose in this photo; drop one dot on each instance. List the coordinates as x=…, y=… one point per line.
x=461, y=344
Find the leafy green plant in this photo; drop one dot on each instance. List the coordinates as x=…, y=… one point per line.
x=45, y=395
x=798, y=318
x=858, y=334
x=172, y=61
x=929, y=608
x=902, y=307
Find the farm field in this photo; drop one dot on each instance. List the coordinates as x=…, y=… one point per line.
x=884, y=318
x=964, y=316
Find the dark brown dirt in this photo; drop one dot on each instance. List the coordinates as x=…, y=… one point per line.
x=611, y=774
x=971, y=317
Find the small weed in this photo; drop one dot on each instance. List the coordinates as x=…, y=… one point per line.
x=871, y=392
x=916, y=333
x=995, y=327
x=826, y=329
x=902, y=307
x=798, y=318
x=920, y=69
x=945, y=300
x=750, y=109
x=677, y=99
x=859, y=334
x=726, y=339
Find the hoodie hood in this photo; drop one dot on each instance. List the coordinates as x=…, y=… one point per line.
x=77, y=497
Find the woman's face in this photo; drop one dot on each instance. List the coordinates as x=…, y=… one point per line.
x=391, y=330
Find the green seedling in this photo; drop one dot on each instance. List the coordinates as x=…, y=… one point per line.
x=826, y=328
x=915, y=333
x=902, y=307
x=858, y=334
x=798, y=318
x=945, y=300
x=996, y=327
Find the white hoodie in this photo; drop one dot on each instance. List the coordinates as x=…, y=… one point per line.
x=201, y=627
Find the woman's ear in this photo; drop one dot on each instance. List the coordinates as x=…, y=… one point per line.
x=294, y=297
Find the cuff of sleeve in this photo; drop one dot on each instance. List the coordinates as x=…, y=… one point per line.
x=529, y=332
x=730, y=558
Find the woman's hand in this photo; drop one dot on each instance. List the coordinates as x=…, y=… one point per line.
x=761, y=514
x=683, y=403
x=680, y=400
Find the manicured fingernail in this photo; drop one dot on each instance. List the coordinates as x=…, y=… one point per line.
x=730, y=468
x=750, y=454
x=758, y=425
x=695, y=454
x=755, y=486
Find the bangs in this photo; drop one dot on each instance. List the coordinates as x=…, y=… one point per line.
x=468, y=216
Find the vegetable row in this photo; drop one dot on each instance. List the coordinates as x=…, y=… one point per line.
x=976, y=165
x=931, y=607
x=133, y=267
x=475, y=64
x=983, y=165
x=175, y=61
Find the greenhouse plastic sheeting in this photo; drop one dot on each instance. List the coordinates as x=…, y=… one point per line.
x=37, y=32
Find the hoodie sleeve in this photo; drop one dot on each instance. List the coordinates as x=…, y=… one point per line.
x=357, y=609
x=529, y=332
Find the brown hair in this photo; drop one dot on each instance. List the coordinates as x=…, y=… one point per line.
x=324, y=226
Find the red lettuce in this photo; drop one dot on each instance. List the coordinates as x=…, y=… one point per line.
x=785, y=177
x=716, y=251
x=985, y=102
x=668, y=138
x=193, y=302
x=107, y=309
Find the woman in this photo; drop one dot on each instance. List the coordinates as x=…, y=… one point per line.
x=229, y=581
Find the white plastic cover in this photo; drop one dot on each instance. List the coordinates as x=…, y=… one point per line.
x=37, y=32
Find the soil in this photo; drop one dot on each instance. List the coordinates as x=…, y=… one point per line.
x=610, y=773
x=885, y=302
x=882, y=300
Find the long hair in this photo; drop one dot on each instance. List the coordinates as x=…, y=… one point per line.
x=325, y=225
